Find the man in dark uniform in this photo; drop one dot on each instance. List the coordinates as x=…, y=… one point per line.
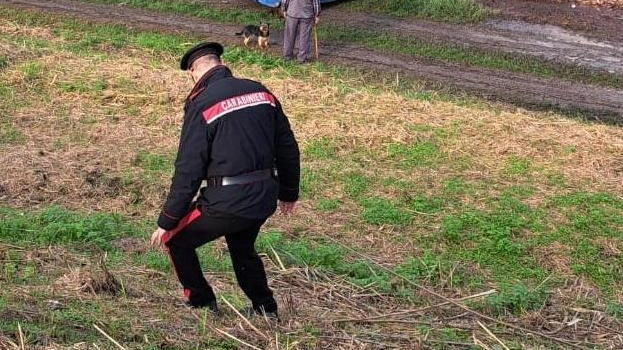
x=234, y=136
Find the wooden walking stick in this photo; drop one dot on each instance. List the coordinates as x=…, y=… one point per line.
x=316, y=39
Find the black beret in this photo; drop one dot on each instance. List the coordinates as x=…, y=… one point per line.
x=201, y=49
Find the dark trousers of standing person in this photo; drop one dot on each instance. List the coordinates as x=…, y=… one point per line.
x=199, y=227
x=301, y=28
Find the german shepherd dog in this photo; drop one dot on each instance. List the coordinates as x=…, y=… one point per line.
x=260, y=32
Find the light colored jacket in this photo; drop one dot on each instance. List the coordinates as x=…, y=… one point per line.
x=301, y=8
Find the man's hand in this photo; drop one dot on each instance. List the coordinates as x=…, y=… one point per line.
x=287, y=208
x=156, y=238
x=316, y=20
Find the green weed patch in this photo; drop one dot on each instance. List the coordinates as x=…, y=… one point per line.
x=419, y=154
x=55, y=225
x=154, y=162
x=320, y=149
x=355, y=184
x=381, y=211
x=9, y=135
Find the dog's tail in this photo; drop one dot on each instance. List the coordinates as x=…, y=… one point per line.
x=239, y=33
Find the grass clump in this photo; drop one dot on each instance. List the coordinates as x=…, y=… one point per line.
x=419, y=154
x=9, y=135
x=153, y=162
x=6, y=93
x=214, y=261
x=516, y=298
x=493, y=238
x=615, y=309
x=596, y=214
x=355, y=184
x=322, y=149
x=457, y=11
x=516, y=166
x=328, y=204
x=427, y=205
x=455, y=187
x=4, y=62
x=158, y=42
x=315, y=254
x=55, y=225
x=325, y=257
x=381, y=211
x=33, y=71
x=310, y=182
x=424, y=267
x=94, y=87
x=503, y=237
x=87, y=42
x=606, y=272
x=153, y=260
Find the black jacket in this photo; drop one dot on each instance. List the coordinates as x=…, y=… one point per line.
x=232, y=126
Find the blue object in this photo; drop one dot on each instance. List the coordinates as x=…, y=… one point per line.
x=276, y=3
x=269, y=3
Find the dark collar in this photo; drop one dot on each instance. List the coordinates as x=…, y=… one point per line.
x=215, y=73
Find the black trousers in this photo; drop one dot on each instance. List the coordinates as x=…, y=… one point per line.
x=201, y=226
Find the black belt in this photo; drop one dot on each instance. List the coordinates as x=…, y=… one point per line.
x=242, y=179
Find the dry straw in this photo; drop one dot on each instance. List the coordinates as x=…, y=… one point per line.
x=346, y=315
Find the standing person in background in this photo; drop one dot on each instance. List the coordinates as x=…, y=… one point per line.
x=300, y=16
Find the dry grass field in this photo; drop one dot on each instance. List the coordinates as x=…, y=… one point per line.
x=409, y=198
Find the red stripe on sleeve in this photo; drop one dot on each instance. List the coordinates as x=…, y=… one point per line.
x=186, y=220
x=236, y=103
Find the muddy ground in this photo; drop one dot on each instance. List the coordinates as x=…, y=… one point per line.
x=605, y=23
x=601, y=50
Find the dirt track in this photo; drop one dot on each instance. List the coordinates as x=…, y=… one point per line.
x=544, y=41
x=522, y=89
